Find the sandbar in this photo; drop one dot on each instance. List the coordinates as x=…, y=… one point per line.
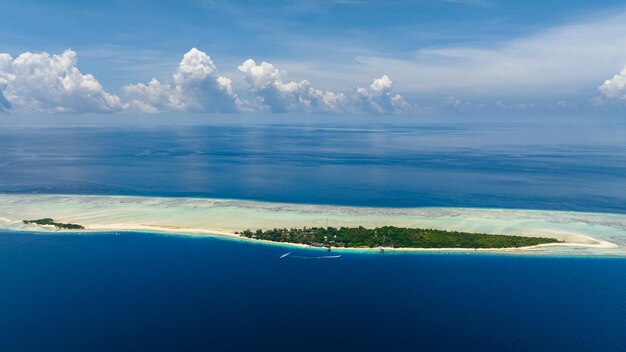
x=583, y=234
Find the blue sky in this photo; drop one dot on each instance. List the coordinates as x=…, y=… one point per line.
x=438, y=56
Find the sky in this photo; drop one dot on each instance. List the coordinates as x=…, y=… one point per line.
x=396, y=57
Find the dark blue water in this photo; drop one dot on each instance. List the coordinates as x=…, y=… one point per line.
x=534, y=165
x=148, y=292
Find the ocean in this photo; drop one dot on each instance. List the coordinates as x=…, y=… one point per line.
x=140, y=291
x=151, y=292
x=495, y=165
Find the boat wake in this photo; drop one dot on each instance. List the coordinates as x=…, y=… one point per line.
x=306, y=257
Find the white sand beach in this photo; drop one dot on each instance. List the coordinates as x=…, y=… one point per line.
x=582, y=233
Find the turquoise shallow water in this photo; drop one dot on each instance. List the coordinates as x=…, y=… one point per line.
x=153, y=292
x=595, y=234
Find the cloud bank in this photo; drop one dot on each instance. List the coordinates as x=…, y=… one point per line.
x=552, y=67
x=51, y=83
x=42, y=82
x=266, y=83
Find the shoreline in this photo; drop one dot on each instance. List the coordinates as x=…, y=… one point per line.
x=195, y=233
x=584, y=241
x=581, y=232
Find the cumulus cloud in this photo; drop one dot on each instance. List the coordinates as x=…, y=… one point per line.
x=273, y=93
x=266, y=82
x=615, y=87
x=195, y=87
x=378, y=98
x=51, y=83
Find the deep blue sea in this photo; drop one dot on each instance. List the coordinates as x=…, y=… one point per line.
x=148, y=292
x=512, y=165
x=153, y=292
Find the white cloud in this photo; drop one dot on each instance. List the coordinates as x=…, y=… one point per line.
x=266, y=83
x=378, y=98
x=195, y=88
x=615, y=87
x=51, y=83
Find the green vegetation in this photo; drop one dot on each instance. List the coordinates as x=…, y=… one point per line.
x=58, y=225
x=396, y=237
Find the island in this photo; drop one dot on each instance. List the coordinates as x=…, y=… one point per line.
x=506, y=231
x=58, y=225
x=393, y=237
